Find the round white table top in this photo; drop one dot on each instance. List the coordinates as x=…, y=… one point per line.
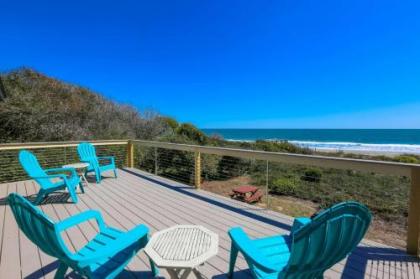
x=77, y=165
x=182, y=246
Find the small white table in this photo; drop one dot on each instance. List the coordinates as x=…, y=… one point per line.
x=80, y=169
x=181, y=249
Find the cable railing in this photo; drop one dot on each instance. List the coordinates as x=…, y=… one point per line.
x=52, y=155
x=292, y=189
x=293, y=184
x=298, y=184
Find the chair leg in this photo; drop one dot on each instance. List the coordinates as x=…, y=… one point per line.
x=115, y=173
x=39, y=197
x=233, y=256
x=98, y=177
x=155, y=270
x=72, y=191
x=61, y=271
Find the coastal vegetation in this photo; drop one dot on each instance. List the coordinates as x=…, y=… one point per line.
x=39, y=108
x=34, y=107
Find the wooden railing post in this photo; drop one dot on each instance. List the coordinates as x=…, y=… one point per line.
x=413, y=231
x=130, y=154
x=156, y=161
x=197, y=169
x=267, y=191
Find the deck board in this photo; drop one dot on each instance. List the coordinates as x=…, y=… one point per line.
x=48, y=263
x=3, y=193
x=30, y=257
x=136, y=197
x=10, y=258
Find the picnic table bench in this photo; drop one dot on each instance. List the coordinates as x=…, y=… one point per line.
x=247, y=193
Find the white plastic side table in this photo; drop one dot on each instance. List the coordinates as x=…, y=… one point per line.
x=181, y=249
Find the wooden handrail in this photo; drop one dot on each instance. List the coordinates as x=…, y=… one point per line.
x=37, y=145
x=391, y=168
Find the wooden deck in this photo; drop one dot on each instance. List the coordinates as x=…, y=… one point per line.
x=138, y=197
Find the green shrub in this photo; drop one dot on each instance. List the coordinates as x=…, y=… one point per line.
x=312, y=175
x=279, y=146
x=171, y=122
x=284, y=186
x=406, y=159
x=191, y=132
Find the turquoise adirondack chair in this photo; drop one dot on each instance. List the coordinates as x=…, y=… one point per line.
x=313, y=245
x=50, y=180
x=105, y=256
x=87, y=153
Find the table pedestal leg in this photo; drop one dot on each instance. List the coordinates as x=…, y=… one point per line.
x=197, y=273
x=177, y=273
x=182, y=273
x=84, y=179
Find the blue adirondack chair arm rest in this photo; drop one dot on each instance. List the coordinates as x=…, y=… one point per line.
x=89, y=161
x=62, y=176
x=111, y=158
x=80, y=218
x=72, y=170
x=299, y=222
x=130, y=237
x=249, y=251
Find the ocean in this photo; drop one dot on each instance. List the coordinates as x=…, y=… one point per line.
x=397, y=141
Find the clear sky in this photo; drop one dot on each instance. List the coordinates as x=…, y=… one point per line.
x=217, y=63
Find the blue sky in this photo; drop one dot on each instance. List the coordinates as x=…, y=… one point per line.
x=245, y=64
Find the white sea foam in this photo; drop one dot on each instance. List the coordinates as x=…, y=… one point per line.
x=354, y=146
x=360, y=147
x=239, y=140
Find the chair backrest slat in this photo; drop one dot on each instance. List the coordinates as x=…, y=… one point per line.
x=37, y=226
x=87, y=153
x=30, y=164
x=327, y=239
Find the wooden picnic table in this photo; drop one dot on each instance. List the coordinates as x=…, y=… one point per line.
x=247, y=193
